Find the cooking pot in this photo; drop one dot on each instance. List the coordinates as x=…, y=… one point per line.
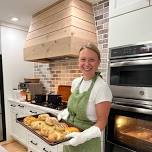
x=54, y=99
x=39, y=98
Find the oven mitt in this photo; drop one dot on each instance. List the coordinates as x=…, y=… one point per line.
x=81, y=137
x=63, y=114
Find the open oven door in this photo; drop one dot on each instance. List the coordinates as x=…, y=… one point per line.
x=129, y=129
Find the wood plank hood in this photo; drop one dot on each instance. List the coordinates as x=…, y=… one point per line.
x=60, y=30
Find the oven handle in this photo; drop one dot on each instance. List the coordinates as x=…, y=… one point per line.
x=130, y=63
x=117, y=145
x=132, y=109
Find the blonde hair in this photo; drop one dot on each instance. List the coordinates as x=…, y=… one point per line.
x=92, y=47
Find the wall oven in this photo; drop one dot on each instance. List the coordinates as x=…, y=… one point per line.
x=129, y=126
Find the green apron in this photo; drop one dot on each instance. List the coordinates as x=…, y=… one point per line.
x=77, y=106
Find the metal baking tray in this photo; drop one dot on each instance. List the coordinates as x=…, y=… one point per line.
x=20, y=121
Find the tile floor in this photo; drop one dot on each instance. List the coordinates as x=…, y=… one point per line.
x=13, y=146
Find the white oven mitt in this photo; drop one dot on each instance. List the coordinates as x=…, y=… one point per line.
x=63, y=114
x=81, y=137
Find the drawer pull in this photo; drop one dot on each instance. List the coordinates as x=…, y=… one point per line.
x=45, y=150
x=21, y=106
x=13, y=105
x=33, y=143
x=33, y=112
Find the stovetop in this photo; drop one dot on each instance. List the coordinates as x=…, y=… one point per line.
x=61, y=106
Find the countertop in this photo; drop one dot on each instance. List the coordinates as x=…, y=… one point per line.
x=46, y=109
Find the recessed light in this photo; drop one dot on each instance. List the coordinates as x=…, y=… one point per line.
x=14, y=19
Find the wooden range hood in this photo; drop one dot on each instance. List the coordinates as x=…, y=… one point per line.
x=60, y=30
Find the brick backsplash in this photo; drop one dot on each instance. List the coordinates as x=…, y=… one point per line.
x=62, y=72
x=101, y=14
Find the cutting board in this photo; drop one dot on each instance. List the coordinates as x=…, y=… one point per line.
x=64, y=91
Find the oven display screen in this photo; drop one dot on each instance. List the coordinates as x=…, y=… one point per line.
x=131, y=76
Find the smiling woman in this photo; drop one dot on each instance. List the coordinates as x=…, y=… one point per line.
x=88, y=105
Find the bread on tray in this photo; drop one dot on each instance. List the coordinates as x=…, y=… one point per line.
x=28, y=120
x=43, y=116
x=49, y=127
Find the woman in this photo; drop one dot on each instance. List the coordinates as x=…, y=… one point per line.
x=88, y=105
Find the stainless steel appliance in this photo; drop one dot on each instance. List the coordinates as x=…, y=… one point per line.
x=129, y=126
x=34, y=88
x=2, y=111
x=53, y=101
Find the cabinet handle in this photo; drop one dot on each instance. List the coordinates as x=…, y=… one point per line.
x=13, y=105
x=45, y=150
x=33, y=112
x=21, y=106
x=33, y=142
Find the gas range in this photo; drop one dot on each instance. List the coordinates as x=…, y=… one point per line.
x=61, y=106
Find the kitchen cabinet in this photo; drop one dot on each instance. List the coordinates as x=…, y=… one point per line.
x=33, y=111
x=17, y=131
x=150, y=2
x=24, y=136
x=35, y=144
x=131, y=28
x=119, y=7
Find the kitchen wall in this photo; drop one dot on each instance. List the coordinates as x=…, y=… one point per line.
x=63, y=72
x=14, y=67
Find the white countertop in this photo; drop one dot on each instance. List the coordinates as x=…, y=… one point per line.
x=47, y=109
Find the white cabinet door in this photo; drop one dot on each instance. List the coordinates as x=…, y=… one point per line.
x=17, y=131
x=35, y=142
x=130, y=28
x=150, y=2
x=118, y=7
x=30, y=149
x=33, y=111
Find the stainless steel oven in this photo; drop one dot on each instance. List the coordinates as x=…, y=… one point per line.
x=131, y=71
x=129, y=126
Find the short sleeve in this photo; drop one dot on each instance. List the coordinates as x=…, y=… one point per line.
x=101, y=91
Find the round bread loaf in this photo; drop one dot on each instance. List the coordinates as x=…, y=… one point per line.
x=61, y=126
x=56, y=136
x=51, y=121
x=71, y=129
x=37, y=125
x=43, y=116
x=28, y=120
x=45, y=130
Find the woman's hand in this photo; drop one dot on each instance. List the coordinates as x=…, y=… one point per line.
x=81, y=137
x=63, y=114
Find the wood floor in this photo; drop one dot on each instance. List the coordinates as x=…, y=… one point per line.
x=13, y=146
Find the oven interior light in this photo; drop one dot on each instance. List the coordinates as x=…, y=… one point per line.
x=120, y=122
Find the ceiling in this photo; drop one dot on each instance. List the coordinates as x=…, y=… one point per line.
x=23, y=9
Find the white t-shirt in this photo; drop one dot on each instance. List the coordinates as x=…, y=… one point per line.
x=99, y=93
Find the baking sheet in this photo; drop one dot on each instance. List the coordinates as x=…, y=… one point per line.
x=131, y=138
x=20, y=121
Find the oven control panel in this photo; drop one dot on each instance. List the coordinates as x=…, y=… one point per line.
x=131, y=51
